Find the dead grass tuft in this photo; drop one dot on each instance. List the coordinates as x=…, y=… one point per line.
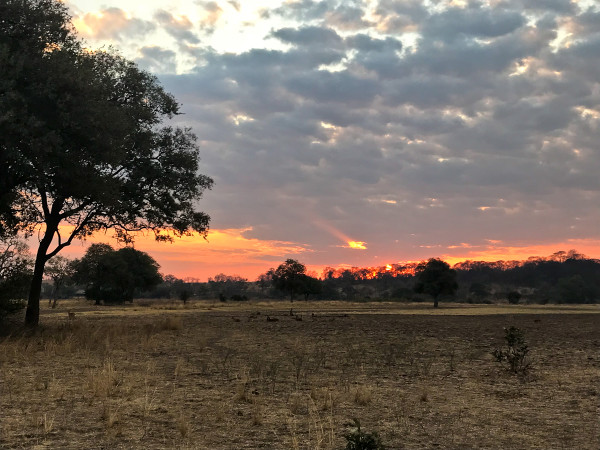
x=182, y=424
x=103, y=381
x=362, y=395
x=110, y=415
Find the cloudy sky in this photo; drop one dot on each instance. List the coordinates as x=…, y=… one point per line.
x=366, y=132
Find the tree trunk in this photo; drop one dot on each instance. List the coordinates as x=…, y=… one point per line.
x=32, y=315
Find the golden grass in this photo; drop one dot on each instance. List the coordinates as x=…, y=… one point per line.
x=195, y=378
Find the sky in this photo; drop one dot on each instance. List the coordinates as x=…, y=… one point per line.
x=368, y=132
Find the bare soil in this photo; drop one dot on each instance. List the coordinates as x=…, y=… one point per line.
x=212, y=376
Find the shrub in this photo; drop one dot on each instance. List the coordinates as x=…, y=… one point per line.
x=184, y=296
x=513, y=297
x=514, y=354
x=360, y=440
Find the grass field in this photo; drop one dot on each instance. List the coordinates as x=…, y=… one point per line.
x=221, y=376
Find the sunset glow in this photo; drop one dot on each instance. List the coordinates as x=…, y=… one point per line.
x=357, y=245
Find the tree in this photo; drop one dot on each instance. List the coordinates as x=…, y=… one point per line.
x=177, y=287
x=60, y=271
x=289, y=277
x=573, y=290
x=478, y=291
x=15, y=275
x=226, y=286
x=29, y=29
x=94, y=156
x=309, y=285
x=114, y=276
x=435, y=277
x=264, y=280
x=89, y=269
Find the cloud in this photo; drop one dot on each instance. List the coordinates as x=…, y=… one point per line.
x=212, y=14
x=349, y=18
x=303, y=10
x=157, y=60
x=474, y=23
x=111, y=23
x=180, y=28
x=415, y=129
x=366, y=43
x=235, y=4
x=309, y=36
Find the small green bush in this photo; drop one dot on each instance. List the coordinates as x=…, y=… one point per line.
x=360, y=440
x=514, y=355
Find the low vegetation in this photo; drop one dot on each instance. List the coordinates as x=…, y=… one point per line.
x=515, y=353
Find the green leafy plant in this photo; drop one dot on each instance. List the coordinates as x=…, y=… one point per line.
x=514, y=355
x=358, y=439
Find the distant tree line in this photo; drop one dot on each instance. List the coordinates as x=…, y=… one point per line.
x=563, y=277
x=106, y=275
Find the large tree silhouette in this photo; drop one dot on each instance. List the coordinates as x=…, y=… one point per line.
x=289, y=277
x=435, y=277
x=84, y=144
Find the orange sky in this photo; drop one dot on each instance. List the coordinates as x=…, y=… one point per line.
x=229, y=251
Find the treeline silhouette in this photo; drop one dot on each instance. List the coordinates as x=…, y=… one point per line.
x=563, y=277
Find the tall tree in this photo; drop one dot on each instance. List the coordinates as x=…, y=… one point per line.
x=289, y=276
x=60, y=270
x=98, y=157
x=435, y=277
x=28, y=31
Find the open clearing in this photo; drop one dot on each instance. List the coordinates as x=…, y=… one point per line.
x=220, y=376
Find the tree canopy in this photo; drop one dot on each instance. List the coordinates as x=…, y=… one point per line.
x=435, y=277
x=28, y=30
x=114, y=276
x=82, y=142
x=289, y=277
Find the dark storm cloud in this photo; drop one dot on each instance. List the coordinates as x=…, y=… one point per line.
x=480, y=128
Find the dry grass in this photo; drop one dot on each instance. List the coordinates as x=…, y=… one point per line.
x=172, y=377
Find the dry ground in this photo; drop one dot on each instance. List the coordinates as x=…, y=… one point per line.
x=214, y=376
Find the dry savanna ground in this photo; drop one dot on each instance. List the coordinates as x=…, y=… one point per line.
x=221, y=376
